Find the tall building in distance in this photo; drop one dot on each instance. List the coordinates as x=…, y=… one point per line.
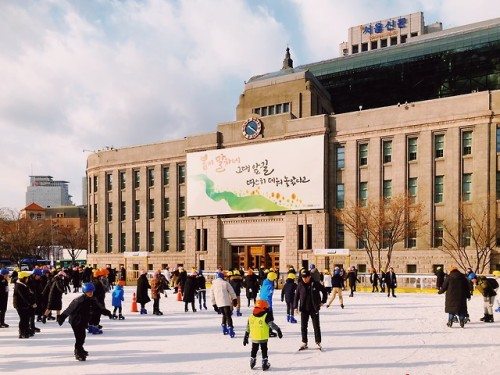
x=47, y=192
x=419, y=118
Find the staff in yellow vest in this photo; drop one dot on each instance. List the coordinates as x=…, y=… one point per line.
x=258, y=330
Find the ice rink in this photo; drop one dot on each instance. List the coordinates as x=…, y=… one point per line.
x=372, y=335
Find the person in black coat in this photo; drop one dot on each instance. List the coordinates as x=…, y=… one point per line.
x=391, y=282
x=457, y=291
x=142, y=291
x=236, y=281
x=79, y=312
x=76, y=279
x=189, y=291
x=35, y=284
x=374, y=280
x=201, y=285
x=24, y=303
x=251, y=283
x=56, y=289
x=352, y=275
x=308, y=301
x=4, y=296
x=440, y=275
x=99, y=294
x=288, y=295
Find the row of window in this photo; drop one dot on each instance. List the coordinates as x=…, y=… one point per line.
x=412, y=145
x=137, y=209
x=136, y=178
x=412, y=190
x=272, y=109
x=385, y=42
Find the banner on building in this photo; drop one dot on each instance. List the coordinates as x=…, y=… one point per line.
x=275, y=176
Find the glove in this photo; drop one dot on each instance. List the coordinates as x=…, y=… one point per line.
x=282, y=300
x=245, y=339
x=250, y=290
x=216, y=309
x=235, y=302
x=280, y=334
x=61, y=318
x=34, y=306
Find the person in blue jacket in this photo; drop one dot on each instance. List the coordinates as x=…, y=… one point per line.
x=116, y=300
x=266, y=294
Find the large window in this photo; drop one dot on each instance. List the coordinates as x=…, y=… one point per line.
x=340, y=195
x=166, y=207
x=411, y=241
x=412, y=149
x=137, y=179
x=466, y=233
x=340, y=157
x=467, y=143
x=109, y=246
x=95, y=184
x=340, y=236
x=166, y=175
x=439, y=145
x=151, y=177
x=412, y=189
x=387, y=151
x=387, y=190
x=438, y=233
x=182, y=173
x=363, y=193
x=151, y=241
x=122, y=180
x=109, y=181
x=137, y=241
x=123, y=210
x=363, y=154
x=151, y=209
x=466, y=187
x=438, y=189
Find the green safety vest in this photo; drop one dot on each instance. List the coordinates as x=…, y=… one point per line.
x=259, y=329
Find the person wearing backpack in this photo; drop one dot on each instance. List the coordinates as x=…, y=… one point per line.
x=488, y=287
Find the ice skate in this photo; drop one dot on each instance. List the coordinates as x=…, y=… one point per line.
x=303, y=346
x=265, y=364
x=450, y=323
x=292, y=319
x=121, y=317
x=252, y=362
x=318, y=346
x=114, y=317
x=231, y=332
x=224, y=329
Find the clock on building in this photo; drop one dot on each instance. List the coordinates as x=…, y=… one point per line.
x=251, y=128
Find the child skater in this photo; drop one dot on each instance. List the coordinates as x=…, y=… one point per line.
x=116, y=300
x=258, y=330
x=79, y=315
x=287, y=295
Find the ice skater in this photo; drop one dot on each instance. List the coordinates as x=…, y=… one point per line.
x=258, y=327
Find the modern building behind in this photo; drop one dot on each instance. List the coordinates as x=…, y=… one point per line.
x=418, y=118
x=47, y=192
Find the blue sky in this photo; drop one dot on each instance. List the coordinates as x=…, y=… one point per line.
x=82, y=75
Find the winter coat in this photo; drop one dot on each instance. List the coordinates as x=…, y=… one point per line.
x=117, y=296
x=100, y=291
x=252, y=285
x=487, y=286
x=237, y=283
x=55, y=294
x=157, y=286
x=190, y=289
x=222, y=293
x=76, y=278
x=327, y=281
x=457, y=291
x=307, y=297
x=353, y=277
x=390, y=279
x=337, y=280
x=79, y=310
x=315, y=275
x=439, y=278
x=201, y=282
x=374, y=279
x=266, y=292
x=142, y=289
x=288, y=291
x=4, y=293
x=23, y=299
x=36, y=286
x=182, y=278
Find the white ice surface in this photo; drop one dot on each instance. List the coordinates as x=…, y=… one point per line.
x=372, y=335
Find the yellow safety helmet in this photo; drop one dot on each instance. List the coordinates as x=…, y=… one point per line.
x=272, y=276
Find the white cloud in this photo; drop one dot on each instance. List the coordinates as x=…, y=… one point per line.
x=83, y=75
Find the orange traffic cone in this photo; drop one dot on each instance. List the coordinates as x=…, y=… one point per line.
x=134, y=304
x=179, y=294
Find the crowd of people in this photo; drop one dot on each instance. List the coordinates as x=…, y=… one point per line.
x=40, y=292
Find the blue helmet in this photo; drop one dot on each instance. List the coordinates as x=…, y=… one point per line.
x=88, y=287
x=4, y=271
x=38, y=272
x=200, y=272
x=220, y=275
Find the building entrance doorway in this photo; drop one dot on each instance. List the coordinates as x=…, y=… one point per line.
x=255, y=256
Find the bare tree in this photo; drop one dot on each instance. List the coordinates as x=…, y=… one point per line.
x=470, y=239
x=380, y=225
x=73, y=239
